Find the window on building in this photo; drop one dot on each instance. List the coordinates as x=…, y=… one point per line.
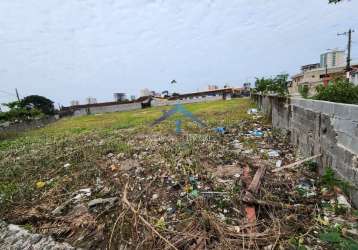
x=334, y=57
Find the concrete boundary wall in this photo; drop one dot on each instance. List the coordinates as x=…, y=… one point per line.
x=137, y=105
x=8, y=127
x=156, y=103
x=319, y=127
x=108, y=109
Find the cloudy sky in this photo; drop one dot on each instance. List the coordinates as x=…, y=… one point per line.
x=71, y=49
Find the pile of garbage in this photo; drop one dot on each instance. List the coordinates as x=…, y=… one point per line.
x=209, y=190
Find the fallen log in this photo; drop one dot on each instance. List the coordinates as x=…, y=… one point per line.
x=297, y=163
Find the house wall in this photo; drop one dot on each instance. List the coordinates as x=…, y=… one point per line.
x=319, y=127
x=107, y=109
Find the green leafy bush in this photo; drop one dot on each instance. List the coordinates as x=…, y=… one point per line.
x=329, y=180
x=303, y=89
x=19, y=114
x=338, y=91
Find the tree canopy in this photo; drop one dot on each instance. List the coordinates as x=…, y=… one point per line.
x=39, y=102
x=276, y=85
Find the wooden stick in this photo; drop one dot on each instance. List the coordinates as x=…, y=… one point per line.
x=292, y=165
x=130, y=206
x=250, y=210
x=256, y=182
x=281, y=205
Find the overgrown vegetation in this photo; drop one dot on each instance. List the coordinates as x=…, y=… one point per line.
x=330, y=181
x=276, y=85
x=28, y=108
x=340, y=90
x=334, y=237
x=303, y=90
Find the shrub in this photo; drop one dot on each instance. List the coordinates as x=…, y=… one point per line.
x=338, y=91
x=303, y=89
x=19, y=114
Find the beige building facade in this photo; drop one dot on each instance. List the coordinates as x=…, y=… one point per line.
x=332, y=66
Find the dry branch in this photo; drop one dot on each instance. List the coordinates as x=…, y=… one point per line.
x=297, y=163
x=130, y=206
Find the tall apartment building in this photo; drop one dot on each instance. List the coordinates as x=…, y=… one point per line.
x=334, y=58
x=91, y=100
x=75, y=103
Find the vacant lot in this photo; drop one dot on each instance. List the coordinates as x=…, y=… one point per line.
x=112, y=181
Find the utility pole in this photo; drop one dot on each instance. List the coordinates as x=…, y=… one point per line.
x=349, y=33
x=17, y=94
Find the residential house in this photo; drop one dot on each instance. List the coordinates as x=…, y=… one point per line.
x=332, y=66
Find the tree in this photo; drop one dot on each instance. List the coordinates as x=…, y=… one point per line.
x=18, y=112
x=39, y=102
x=334, y=1
x=276, y=85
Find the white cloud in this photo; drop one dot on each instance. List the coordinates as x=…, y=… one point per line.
x=71, y=49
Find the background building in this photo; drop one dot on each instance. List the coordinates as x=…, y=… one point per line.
x=119, y=97
x=212, y=87
x=91, y=100
x=334, y=58
x=74, y=103
x=145, y=92
x=332, y=66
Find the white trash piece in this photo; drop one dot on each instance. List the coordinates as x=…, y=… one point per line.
x=342, y=201
x=252, y=111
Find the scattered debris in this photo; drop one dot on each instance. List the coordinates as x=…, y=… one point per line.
x=293, y=165
x=67, y=165
x=100, y=201
x=199, y=190
x=220, y=130
x=273, y=153
x=252, y=111
x=40, y=184
x=278, y=163
x=343, y=202
x=128, y=165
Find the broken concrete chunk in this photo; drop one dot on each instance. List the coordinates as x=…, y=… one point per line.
x=227, y=171
x=99, y=201
x=129, y=165
x=15, y=237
